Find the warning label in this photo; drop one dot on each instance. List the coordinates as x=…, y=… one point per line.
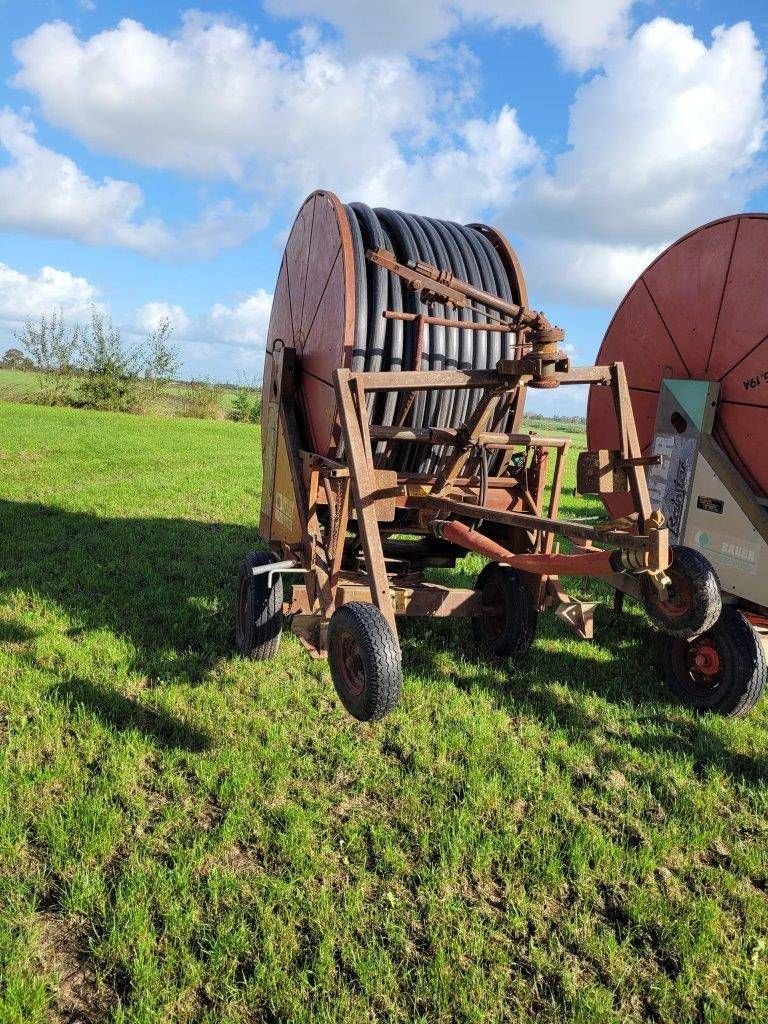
x=710, y=504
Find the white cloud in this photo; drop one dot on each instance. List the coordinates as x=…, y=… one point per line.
x=580, y=29
x=33, y=295
x=244, y=324
x=491, y=156
x=207, y=99
x=666, y=138
x=582, y=273
x=227, y=342
x=213, y=100
x=46, y=193
x=152, y=314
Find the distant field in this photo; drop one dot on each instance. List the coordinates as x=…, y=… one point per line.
x=15, y=383
x=189, y=837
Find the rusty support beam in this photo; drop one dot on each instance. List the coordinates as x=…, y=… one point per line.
x=419, y=599
x=595, y=563
x=452, y=463
x=357, y=447
x=431, y=380
x=450, y=435
x=443, y=506
x=630, y=445
x=442, y=321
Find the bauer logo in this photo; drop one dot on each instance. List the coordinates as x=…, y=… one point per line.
x=728, y=550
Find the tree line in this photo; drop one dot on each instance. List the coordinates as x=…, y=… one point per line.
x=90, y=366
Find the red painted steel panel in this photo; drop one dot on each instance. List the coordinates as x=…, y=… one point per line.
x=744, y=316
x=687, y=286
x=710, y=290
x=325, y=248
x=297, y=260
x=742, y=431
x=639, y=338
x=747, y=382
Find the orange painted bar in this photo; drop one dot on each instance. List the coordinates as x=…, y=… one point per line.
x=597, y=563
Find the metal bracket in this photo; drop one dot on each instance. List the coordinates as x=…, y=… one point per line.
x=271, y=569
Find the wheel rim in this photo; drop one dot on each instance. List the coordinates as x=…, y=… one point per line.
x=679, y=600
x=699, y=665
x=492, y=616
x=349, y=663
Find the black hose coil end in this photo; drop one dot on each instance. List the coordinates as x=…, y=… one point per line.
x=391, y=345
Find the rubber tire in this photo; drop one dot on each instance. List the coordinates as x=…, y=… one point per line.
x=380, y=660
x=745, y=672
x=706, y=603
x=259, y=611
x=519, y=611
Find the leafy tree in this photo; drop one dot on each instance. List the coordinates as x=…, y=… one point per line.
x=14, y=359
x=108, y=372
x=161, y=360
x=52, y=346
x=246, y=406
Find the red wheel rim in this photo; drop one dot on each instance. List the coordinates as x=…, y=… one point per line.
x=349, y=663
x=679, y=600
x=699, y=665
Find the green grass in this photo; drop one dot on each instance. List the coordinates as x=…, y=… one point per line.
x=189, y=837
x=17, y=382
x=21, y=385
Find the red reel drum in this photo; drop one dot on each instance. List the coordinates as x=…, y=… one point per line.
x=700, y=312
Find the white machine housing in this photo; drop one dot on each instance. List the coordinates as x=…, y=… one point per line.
x=707, y=505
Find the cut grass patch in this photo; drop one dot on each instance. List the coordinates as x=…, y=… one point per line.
x=190, y=837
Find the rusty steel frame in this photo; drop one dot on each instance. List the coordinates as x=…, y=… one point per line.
x=353, y=484
x=328, y=585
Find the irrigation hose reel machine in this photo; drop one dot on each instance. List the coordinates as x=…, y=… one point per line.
x=399, y=354
x=692, y=333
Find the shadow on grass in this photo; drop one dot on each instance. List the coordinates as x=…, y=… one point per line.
x=621, y=669
x=165, y=585
x=14, y=633
x=124, y=714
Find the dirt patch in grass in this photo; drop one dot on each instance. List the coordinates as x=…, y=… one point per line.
x=63, y=953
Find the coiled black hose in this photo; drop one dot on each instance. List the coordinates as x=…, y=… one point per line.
x=385, y=344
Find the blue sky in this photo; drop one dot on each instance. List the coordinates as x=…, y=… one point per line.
x=152, y=156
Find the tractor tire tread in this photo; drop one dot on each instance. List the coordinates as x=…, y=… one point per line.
x=522, y=615
x=265, y=610
x=746, y=669
x=707, y=601
x=381, y=655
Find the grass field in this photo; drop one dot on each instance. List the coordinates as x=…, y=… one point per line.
x=21, y=385
x=18, y=381
x=188, y=837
